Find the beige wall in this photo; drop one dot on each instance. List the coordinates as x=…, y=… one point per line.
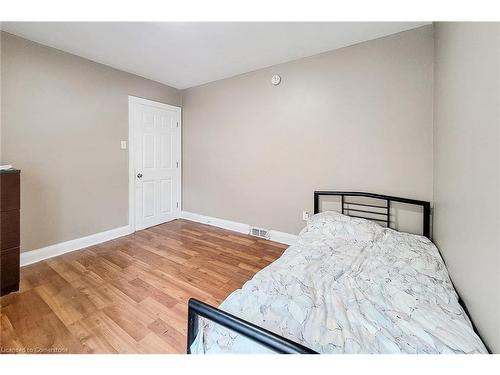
x=1, y=99
x=62, y=121
x=466, y=168
x=357, y=118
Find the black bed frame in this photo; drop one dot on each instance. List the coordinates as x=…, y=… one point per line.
x=255, y=333
x=267, y=338
x=376, y=212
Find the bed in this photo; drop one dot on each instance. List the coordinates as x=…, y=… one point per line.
x=351, y=284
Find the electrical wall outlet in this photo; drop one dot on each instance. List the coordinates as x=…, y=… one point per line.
x=123, y=145
x=305, y=215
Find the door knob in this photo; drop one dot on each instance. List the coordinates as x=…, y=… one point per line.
x=139, y=175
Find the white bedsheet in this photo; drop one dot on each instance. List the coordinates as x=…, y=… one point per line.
x=350, y=286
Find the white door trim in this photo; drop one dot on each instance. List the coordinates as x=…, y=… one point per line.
x=131, y=156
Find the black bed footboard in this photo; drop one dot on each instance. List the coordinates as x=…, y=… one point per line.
x=260, y=335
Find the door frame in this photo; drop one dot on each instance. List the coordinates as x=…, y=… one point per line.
x=131, y=157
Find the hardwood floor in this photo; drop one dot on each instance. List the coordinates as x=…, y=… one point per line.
x=129, y=295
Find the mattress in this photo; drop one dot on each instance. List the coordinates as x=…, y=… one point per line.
x=350, y=286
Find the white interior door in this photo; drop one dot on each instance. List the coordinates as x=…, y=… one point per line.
x=156, y=150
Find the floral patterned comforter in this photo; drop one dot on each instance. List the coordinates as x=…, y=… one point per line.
x=350, y=286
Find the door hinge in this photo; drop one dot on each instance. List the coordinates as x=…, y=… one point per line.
x=177, y=164
x=177, y=123
x=177, y=204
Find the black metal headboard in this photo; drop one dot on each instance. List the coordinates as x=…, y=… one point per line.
x=382, y=213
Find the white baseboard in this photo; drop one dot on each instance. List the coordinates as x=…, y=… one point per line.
x=34, y=256
x=281, y=237
x=221, y=223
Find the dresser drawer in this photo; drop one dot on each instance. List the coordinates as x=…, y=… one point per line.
x=9, y=229
x=10, y=192
x=9, y=270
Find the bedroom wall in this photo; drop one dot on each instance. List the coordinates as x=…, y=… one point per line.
x=467, y=166
x=357, y=118
x=1, y=163
x=63, y=118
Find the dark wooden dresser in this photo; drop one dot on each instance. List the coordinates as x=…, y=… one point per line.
x=10, y=203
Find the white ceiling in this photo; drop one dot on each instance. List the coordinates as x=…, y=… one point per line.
x=188, y=54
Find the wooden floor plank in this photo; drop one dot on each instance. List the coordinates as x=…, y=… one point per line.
x=129, y=295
